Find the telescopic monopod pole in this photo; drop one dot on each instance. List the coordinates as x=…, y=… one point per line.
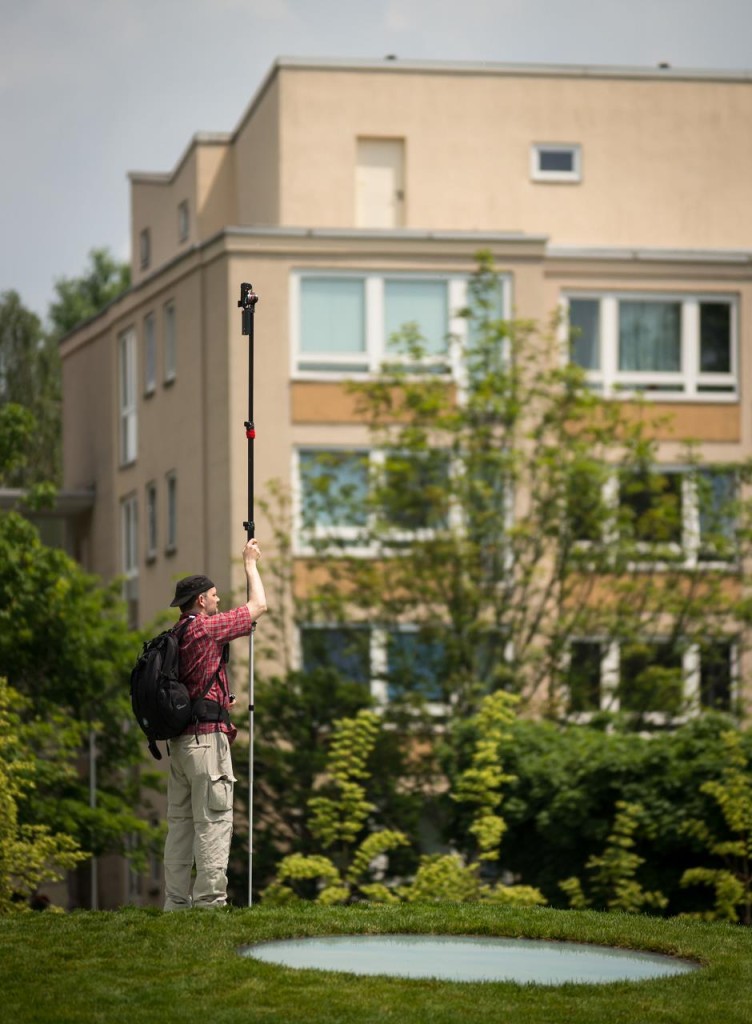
x=247, y=304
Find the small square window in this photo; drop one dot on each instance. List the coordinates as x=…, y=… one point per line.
x=556, y=162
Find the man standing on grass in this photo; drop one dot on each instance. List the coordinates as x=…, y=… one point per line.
x=200, y=783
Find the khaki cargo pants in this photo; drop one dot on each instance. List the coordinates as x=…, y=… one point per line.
x=199, y=820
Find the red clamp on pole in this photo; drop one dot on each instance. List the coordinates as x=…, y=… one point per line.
x=250, y=431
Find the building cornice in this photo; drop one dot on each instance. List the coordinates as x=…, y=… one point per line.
x=647, y=255
x=504, y=69
x=64, y=505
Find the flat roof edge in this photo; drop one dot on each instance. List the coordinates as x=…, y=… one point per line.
x=641, y=253
x=507, y=68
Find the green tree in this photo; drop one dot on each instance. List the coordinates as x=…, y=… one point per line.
x=295, y=716
x=448, y=877
x=79, y=298
x=732, y=883
x=29, y=854
x=613, y=873
x=66, y=649
x=513, y=511
x=65, y=646
x=29, y=378
x=339, y=821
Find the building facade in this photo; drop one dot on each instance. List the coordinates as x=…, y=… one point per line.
x=356, y=195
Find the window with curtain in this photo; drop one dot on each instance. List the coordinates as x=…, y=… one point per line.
x=672, y=345
x=650, y=336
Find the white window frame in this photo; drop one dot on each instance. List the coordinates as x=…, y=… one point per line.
x=610, y=679
x=612, y=382
x=129, y=535
x=152, y=522
x=537, y=173
x=170, y=343
x=376, y=351
x=691, y=542
x=171, y=535
x=306, y=538
x=128, y=401
x=150, y=354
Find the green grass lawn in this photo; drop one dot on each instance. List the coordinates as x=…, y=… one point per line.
x=143, y=966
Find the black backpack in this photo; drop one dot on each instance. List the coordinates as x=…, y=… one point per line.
x=160, y=701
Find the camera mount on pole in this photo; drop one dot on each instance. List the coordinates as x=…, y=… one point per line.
x=247, y=304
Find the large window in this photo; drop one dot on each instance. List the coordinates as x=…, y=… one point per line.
x=675, y=513
x=662, y=345
x=344, y=324
x=128, y=406
x=653, y=678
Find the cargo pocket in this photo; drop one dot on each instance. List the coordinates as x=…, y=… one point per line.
x=220, y=792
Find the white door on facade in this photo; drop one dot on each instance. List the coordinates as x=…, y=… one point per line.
x=379, y=186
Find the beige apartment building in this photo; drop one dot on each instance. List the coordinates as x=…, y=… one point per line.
x=352, y=193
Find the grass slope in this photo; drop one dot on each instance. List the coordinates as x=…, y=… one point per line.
x=140, y=966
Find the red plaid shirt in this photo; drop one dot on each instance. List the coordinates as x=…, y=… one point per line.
x=201, y=655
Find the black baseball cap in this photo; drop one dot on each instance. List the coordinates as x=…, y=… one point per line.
x=188, y=588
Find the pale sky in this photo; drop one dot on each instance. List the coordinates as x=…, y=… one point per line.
x=92, y=89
